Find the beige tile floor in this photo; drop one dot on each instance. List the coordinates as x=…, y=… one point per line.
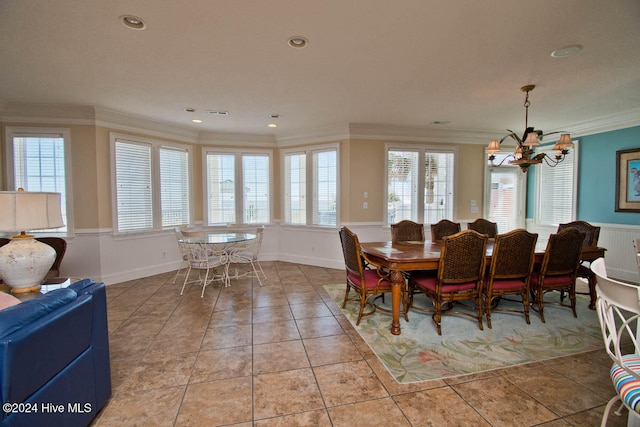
x=284, y=355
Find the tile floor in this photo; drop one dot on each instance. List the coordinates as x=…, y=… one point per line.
x=284, y=355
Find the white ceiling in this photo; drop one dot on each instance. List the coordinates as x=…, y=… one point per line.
x=400, y=64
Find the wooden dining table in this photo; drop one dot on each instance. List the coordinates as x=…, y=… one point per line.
x=401, y=257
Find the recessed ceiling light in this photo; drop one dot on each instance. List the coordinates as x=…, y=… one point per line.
x=272, y=125
x=297, y=41
x=196, y=121
x=274, y=116
x=440, y=122
x=563, y=52
x=190, y=110
x=133, y=22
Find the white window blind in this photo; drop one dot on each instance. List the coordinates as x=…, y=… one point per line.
x=174, y=186
x=420, y=171
x=325, y=187
x=221, y=187
x=556, y=187
x=402, y=185
x=295, y=211
x=255, y=178
x=134, y=194
x=438, y=187
x=39, y=165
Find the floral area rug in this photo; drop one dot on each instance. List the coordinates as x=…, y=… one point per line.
x=419, y=354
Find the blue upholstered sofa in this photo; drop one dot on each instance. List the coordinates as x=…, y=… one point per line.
x=54, y=357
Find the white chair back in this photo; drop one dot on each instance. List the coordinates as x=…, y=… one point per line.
x=618, y=307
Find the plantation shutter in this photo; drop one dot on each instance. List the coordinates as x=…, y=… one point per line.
x=556, y=191
x=133, y=186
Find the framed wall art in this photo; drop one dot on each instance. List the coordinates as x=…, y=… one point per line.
x=628, y=180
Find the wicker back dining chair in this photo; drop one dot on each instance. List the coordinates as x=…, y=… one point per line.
x=591, y=235
x=484, y=226
x=366, y=282
x=443, y=228
x=618, y=307
x=510, y=271
x=460, y=272
x=559, y=269
x=407, y=231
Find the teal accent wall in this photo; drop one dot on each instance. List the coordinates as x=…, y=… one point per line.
x=597, y=177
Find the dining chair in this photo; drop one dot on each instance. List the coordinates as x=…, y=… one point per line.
x=559, y=269
x=60, y=246
x=202, y=257
x=182, y=269
x=248, y=254
x=618, y=307
x=407, y=231
x=443, y=228
x=459, y=278
x=591, y=235
x=366, y=282
x=510, y=270
x=484, y=226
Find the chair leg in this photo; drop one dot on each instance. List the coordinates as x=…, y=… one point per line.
x=478, y=300
x=437, y=316
x=525, y=304
x=363, y=302
x=256, y=273
x=186, y=276
x=346, y=296
x=487, y=310
x=205, y=283
x=264, y=276
x=540, y=298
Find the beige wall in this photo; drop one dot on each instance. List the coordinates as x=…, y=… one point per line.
x=362, y=169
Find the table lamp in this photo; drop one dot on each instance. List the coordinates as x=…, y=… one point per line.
x=24, y=261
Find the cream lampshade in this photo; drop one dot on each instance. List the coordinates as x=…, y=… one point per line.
x=24, y=262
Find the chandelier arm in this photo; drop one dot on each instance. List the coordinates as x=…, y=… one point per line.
x=550, y=162
x=502, y=161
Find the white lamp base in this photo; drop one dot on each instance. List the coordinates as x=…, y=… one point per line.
x=24, y=262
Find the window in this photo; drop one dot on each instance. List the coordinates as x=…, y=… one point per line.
x=419, y=184
x=506, y=193
x=238, y=187
x=556, y=189
x=37, y=161
x=314, y=172
x=152, y=184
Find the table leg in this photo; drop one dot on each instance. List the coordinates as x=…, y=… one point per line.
x=592, y=290
x=397, y=282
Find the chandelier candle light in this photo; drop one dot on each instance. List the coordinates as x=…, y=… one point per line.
x=524, y=154
x=25, y=261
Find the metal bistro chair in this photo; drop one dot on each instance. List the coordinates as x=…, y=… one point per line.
x=201, y=256
x=510, y=270
x=484, y=226
x=460, y=272
x=443, y=228
x=618, y=307
x=407, y=231
x=248, y=254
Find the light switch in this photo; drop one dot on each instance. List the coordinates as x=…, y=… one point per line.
x=365, y=205
x=366, y=195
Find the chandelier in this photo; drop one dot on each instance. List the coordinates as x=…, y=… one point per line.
x=524, y=154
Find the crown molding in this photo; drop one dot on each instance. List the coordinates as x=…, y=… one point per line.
x=608, y=123
x=126, y=122
x=47, y=113
x=58, y=114
x=237, y=139
x=314, y=136
x=420, y=134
